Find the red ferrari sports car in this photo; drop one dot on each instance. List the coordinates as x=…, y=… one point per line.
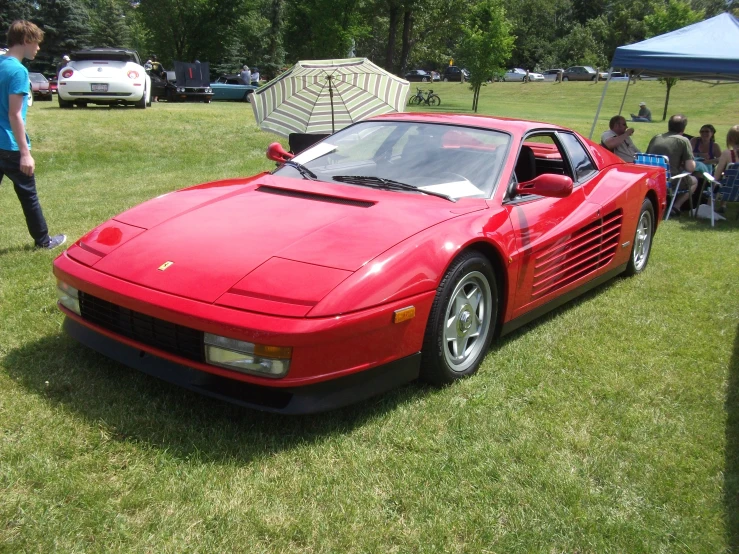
x=397, y=248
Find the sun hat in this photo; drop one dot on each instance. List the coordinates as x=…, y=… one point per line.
x=642, y=103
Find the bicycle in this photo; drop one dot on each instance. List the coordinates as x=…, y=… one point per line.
x=430, y=99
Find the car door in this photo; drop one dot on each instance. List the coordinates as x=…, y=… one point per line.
x=558, y=243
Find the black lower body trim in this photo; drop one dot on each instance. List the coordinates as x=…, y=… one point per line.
x=528, y=317
x=319, y=397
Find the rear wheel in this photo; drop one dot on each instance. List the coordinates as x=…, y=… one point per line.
x=446, y=79
x=414, y=101
x=434, y=100
x=565, y=78
x=141, y=104
x=63, y=103
x=642, y=246
x=425, y=79
x=462, y=320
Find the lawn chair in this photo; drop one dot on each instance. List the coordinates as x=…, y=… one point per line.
x=674, y=184
x=729, y=187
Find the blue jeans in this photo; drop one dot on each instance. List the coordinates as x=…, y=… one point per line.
x=25, y=189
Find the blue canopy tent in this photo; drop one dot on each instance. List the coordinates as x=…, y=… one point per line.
x=688, y=53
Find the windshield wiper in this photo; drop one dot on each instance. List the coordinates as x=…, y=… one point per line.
x=387, y=184
x=304, y=171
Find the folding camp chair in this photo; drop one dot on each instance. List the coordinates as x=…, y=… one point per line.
x=729, y=189
x=674, y=184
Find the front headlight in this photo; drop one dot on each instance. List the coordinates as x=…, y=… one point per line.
x=247, y=357
x=68, y=296
x=180, y=89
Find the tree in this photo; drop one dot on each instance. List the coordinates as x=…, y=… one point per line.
x=108, y=25
x=675, y=15
x=486, y=44
x=66, y=26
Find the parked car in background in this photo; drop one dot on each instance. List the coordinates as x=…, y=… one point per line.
x=582, y=73
x=108, y=76
x=518, y=74
x=551, y=74
x=232, y=87
x=189, y=82
x=418, y=75
x=618, y=76
x=454, y=73
x=39, y=86
x=52, y=83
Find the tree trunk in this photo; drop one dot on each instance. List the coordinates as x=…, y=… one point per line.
x=392, y=32
x=406, y=50
x=275, y=31
x=475, y=97
x=669, y=82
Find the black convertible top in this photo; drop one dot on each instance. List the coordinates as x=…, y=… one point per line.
x=192, y=74
x=106, y=54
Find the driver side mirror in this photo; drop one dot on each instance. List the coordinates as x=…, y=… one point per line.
x=276, y=153
x=547, y=184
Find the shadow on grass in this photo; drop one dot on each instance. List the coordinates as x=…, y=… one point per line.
x=731, y=462
x=18, y=248
x=128, y=405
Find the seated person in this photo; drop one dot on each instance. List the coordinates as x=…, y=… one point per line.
x=254, y=76
x=677, y=149
x=644, y=115
x=729, y=156
x=706, y=148
x=618, y=139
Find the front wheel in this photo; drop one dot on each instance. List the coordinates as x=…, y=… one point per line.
x=446, y=79
x=414, y=101
x=434, y=100
x=462, y=320
x=565, y=78
x=425, y=80
x=642, y=239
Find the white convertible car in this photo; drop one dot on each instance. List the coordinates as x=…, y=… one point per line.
x=104, y=76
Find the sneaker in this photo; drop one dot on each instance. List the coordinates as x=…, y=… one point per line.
x=56, y=240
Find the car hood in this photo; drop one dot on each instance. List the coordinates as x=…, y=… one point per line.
x=215, y=235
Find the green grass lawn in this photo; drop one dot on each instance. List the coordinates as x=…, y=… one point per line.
x=610, y=425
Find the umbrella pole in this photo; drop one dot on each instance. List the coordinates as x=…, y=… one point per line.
x=625, y=93
x=331, y=96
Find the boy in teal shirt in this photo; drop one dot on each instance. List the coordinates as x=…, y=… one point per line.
x=15, y=147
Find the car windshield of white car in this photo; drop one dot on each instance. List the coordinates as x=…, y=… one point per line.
x=451, y=160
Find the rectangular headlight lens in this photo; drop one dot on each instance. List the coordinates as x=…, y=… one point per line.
x=246, y=357
x=68, y=296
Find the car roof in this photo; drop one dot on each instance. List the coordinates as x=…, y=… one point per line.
x=517, y=127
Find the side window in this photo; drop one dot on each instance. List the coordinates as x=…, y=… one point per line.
x=582, y=165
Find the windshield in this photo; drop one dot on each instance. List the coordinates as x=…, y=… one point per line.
x=448, y=159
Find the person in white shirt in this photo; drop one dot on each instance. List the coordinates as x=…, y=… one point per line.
x=618, y=139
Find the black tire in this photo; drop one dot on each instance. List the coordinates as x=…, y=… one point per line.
x=446, y=79
x=414, y=101
x=565, y=78
x=453, y=319
x=63, y=103
x=425, y=80
x=642, y=244
x=247, y=97
x=434, y=100
x=141, y=104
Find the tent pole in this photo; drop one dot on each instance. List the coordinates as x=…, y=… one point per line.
x=600, y=105
x=624, y=98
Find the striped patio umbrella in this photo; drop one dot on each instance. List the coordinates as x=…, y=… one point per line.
x=321, y=96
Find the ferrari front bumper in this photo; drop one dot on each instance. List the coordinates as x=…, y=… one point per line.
x=318, y=397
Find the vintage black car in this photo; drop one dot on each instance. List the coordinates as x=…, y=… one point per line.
x=189, y=82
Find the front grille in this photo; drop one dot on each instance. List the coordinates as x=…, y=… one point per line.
x=172, y=338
